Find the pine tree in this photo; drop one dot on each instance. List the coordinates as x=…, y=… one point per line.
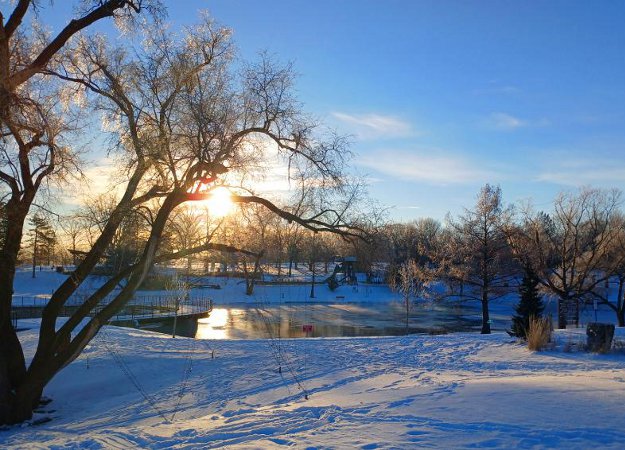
x=530, y=304
x=42, y=240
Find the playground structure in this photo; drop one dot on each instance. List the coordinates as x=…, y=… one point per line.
x=344, y=272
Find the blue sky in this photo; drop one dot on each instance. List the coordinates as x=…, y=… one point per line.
x=441, y=97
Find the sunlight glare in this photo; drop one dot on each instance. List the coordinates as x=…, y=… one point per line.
x=213, y=326
x=220, y=204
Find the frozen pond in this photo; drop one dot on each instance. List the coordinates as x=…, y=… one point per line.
x=298, y=320
x=348, y=319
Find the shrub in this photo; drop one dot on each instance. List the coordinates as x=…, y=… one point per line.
x=539, y=333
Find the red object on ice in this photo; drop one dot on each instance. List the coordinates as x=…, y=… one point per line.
x=307, y=328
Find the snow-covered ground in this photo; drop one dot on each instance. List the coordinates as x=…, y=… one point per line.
x=450, y=391
x=137, y=389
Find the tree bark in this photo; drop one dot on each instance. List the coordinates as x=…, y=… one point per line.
x=59, y=351
x=485, y=313
x=12, y=363
x=562, y=312
x=620, y=303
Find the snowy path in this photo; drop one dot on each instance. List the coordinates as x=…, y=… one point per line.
x=452, y=391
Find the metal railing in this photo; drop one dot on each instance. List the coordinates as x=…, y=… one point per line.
x=141, y=307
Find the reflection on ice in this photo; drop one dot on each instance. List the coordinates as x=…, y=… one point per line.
x=330, y=320
x=213, y=326
x=217, y=319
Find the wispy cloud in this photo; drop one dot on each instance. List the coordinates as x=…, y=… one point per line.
x=503, y=121
x=100, y=177
x=423, y=166
x=585, y=171
x=374, y=126
x=507, y=122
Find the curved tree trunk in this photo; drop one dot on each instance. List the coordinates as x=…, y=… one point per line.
x=58, y=350
x=12, y=363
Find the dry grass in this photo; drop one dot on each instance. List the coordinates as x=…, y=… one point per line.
x=539, y=333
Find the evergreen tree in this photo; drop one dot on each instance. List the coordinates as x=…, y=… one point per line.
x=42, y=240
x=530, y=304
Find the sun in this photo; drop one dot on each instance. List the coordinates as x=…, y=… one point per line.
x=219, y=203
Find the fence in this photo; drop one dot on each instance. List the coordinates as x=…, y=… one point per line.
x=139, y=308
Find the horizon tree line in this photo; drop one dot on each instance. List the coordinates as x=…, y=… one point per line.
x=576, y=252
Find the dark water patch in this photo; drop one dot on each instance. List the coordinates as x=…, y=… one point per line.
x=185, y=326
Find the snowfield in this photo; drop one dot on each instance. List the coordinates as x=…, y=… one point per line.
x=137, y=389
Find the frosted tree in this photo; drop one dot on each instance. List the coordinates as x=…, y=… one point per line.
x=472, y=257
x=184, y=122
x=571, y=249
x=407, y=282
x=33, y=150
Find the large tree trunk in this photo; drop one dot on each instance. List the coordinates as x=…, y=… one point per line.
x=485, y=313
x=84, y=268
x=250, y=281
x=407, y=305
x=562, y=312
x=59, y=350
x=12, y=370
x=620, y=303
x=12, y=363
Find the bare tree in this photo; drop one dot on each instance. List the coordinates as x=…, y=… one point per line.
x=615, y=267
x=569, y=248
x=186, y=229
x=402, y=241
x=186, y=123
x=32, y=149
x=473, y=257
x=406, y=281
x=255, y=228
x=611, y=289
x=75, y=235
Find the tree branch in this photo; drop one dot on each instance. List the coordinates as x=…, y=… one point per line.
x=99, y=320
x=312, y=224
x=106, y=9
x=16, y=18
